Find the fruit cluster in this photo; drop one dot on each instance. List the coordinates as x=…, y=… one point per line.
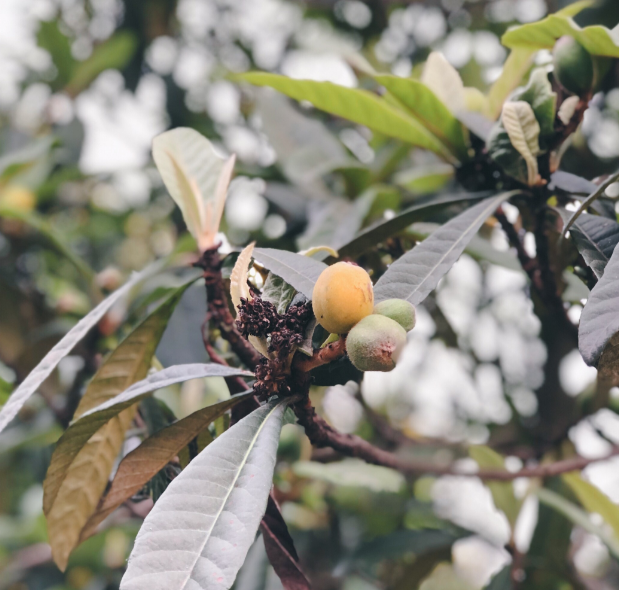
x=343, y=303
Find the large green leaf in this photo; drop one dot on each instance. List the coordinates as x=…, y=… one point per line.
x=514, y=69
x=380, y=231
x=595, y=237
x=300, y=271
x=144, y=462
x=77, y=476
x=599, y=321
x=428, y=109
x=597, y=40
x=58, y=352
x=356, y=105
x=200, y=530
x=416, y=274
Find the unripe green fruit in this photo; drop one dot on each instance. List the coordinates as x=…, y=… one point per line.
x=398, y=310
x=573, y=66
x=342, y=296
x=375, y=343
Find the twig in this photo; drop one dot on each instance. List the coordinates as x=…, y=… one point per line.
x=322, y=434
x=325, y=355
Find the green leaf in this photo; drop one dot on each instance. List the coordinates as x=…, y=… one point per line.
x=300, y=271
x=514, y=69
x=358, y=106
x=501, y=150
x=112, y=54
x=66, y=344
x=597, y=40
x=278, y=292
x=522, y=128
x=578, y=517
x=502, y=580
x=538, y=93
x=424, y=180
x=594, y=500
x=416, y=274
x=502, y=492
x=428, y=109
x=77, y=475
x=595, y=238
x=382, y=230
x=153, y=454
x=353, y=473
x=208, y=517
x=50, y=38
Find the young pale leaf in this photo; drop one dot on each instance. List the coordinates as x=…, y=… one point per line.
x=238, y=279
x=444, y=81
x=299, y=271
x=416, y=274
x=358, y=106
x=56, y=354
x=198, y=533
x=514, y=68
x=594, y=500
x=523, y=130
x=599, y=321
x=595, y=237
x=76, y=480
x=568, y=108
x=431, y=112
x=144, y=462
x=543, y=34
x=196, y=178
x=538, y=93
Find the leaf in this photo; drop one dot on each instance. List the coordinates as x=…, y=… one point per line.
x=354, y=473
x=358, y=106
x=594, y=500
x=597, y=40
x=429, y=110
x=200, y=530
x=197, y=179
x=280, y=548
x=141, y=464
x=77, y=477
x=424, y=180
x=538, y=93
x=502, y=492
x=599, y=321
x=51, y=38
x=502, y=580
x=238, y=279
x=444, y=81
x=382, y=230
x=595, y=237
x=112, y=54
x=60, y=350
x=578, y=517
x=514, y=69
x=299, y=271
x=416, y=274
x=571, y=183
x=568, y=108
x=523, y=130
x=278, y=292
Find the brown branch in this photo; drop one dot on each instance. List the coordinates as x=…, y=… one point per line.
x=218, y=311
x=325, y=355
x=322, y=434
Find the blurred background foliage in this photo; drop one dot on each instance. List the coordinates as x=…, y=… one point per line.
x=84, y=87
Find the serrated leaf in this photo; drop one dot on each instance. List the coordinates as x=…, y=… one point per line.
x=444, y=81
x=153, y=454
x=238, y=279
x=60, y=350
x=543, y=34
x=595, y=237
x=599, y=321
x=200, y=530
x=196, y=178
x=578, y=517
x=416, y=274
x=299, y=271
x=594, y=500
x=278, y=292
x=429, y=110
x=358, y=106
x=75, y=480
x=523, y=130
x=502, y=492
x=382, y=230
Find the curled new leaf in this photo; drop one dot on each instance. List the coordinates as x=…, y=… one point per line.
x=238, y=279
x=523, y=130
x=197, y=179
